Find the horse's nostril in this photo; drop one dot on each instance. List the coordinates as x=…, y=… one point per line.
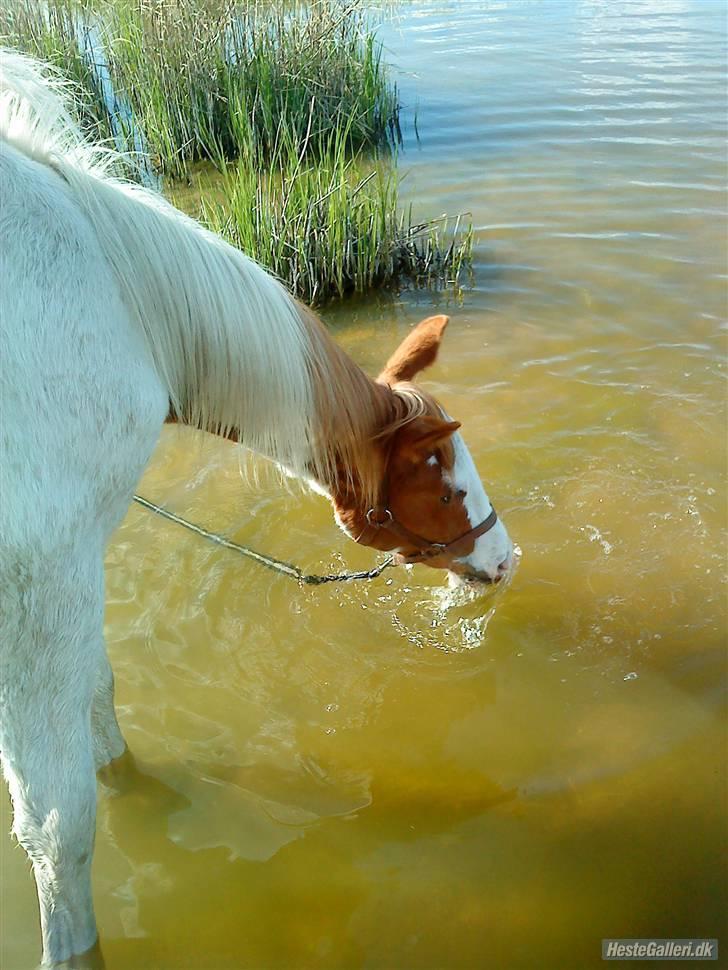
x=504, y=566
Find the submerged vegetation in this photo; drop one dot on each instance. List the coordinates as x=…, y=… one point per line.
x=291, y=102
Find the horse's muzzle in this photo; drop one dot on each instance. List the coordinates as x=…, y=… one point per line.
x=478, y=576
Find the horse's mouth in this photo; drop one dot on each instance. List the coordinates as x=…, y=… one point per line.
x=482, y=579
x=472, y=579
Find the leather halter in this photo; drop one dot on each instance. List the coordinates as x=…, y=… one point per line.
x=426, y=548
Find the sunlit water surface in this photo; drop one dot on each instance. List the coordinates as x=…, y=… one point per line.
x=371, y=775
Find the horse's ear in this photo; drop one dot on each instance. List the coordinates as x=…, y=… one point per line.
x=424, y=434
x=417, y=351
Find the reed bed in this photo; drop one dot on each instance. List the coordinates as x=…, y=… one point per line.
x=332, y=227
x=198, y=77
x=291, y=102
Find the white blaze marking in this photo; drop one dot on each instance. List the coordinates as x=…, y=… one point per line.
x=494, y=547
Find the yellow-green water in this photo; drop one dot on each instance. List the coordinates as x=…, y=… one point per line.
x=362, y=777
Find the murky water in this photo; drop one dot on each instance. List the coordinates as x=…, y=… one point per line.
x=369, y=776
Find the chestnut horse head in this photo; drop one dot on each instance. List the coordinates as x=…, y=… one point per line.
x=430, y=505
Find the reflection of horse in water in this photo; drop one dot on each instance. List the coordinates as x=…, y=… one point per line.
x=119, y=312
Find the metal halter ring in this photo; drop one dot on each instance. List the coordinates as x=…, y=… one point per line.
x=375, y=523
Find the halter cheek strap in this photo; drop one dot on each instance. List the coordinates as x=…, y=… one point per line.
x=382, y=518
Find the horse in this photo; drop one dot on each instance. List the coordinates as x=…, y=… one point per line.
x=118, y=313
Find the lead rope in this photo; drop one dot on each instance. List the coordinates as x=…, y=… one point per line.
x=285, y=568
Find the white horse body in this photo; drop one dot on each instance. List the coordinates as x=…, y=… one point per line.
x=88, y=373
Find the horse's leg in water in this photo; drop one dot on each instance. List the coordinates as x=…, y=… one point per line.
x=108, y=740
x=48, y=676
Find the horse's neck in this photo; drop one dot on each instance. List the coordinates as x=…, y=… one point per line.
x=352, y=410
x=238, y=355
x=227, y=340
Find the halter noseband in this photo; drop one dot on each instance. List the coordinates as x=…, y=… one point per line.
x=426, y=548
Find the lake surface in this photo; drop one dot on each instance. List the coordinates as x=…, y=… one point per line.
x=370, y=776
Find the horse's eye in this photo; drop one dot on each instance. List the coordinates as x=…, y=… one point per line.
x=461, y=493
x=445, y=499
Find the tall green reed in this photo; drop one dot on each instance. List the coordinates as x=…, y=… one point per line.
x=330, y=226
x=290, y=101
x=191, y=70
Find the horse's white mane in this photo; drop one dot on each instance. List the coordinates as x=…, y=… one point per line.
x=34, y=115
x=228, y=341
